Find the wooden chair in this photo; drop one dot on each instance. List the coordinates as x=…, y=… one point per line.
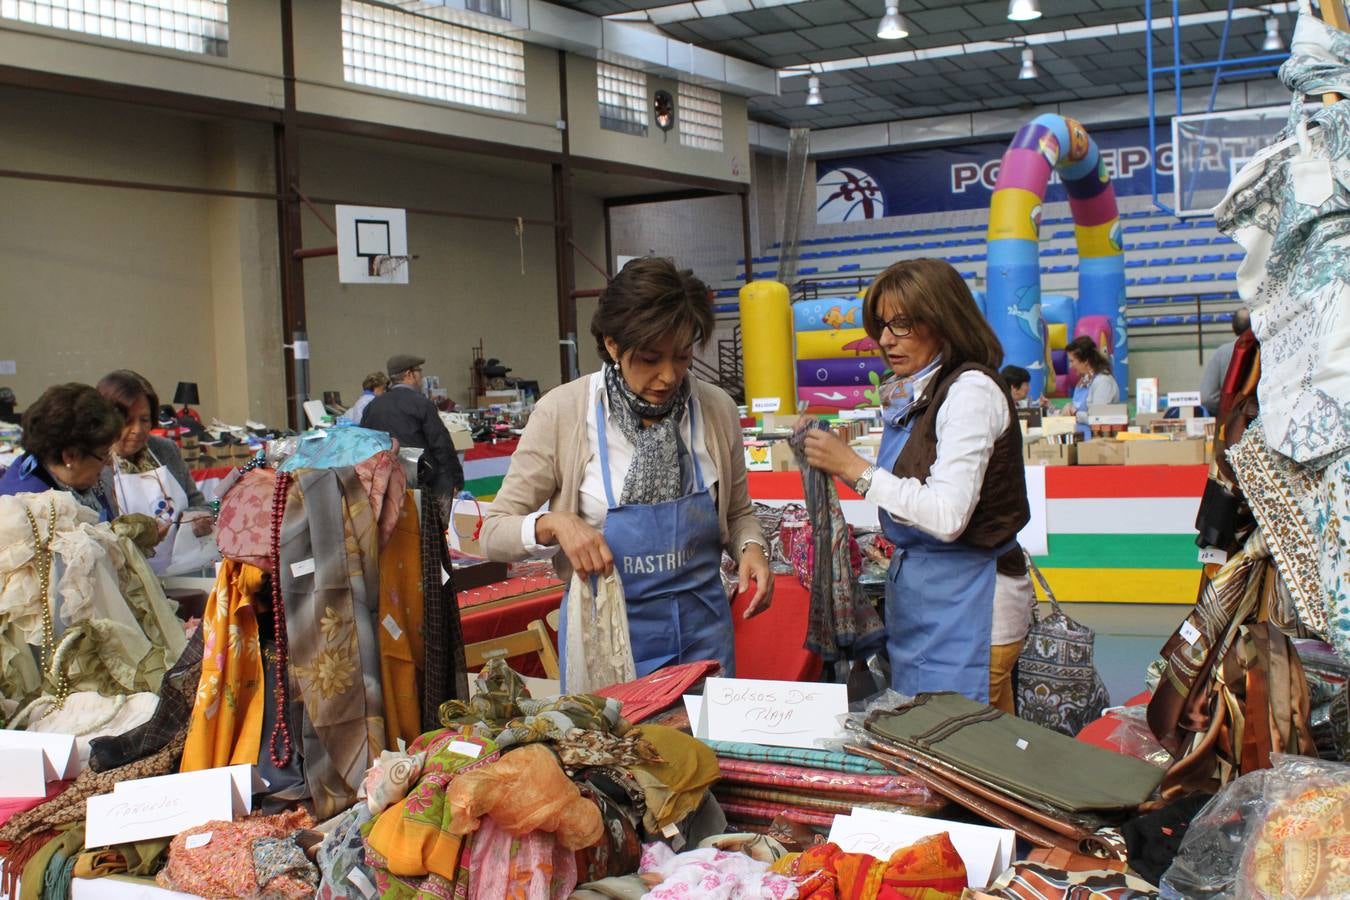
x=534, y=639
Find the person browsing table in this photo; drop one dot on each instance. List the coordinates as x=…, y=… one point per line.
x=948, y=481
x=642, y=467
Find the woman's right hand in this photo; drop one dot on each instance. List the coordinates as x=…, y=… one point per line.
x=584, y=546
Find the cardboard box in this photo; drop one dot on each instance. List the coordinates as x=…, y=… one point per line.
x=1103, y=453
x=1142, y=453
x=1041, y=453
x=462, y=438
x=1058, y=424
x=1189, y=452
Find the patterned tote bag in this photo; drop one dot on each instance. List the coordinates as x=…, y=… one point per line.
x=1058, y=686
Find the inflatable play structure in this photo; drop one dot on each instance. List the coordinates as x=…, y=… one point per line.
x=837, y=365
x=1034, y=331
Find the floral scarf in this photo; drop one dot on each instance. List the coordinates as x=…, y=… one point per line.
x=897, y=394
x=658, y=450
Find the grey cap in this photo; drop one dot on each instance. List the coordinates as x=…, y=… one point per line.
x=402, y=362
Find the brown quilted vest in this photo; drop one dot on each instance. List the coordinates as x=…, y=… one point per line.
x=1002, y=510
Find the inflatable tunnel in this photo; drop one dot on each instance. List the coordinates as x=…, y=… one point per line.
x=1047, y=144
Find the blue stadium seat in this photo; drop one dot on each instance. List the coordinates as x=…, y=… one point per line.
x=849, y=267
x=959, y=258
x=969, y=275
x=1135, y=263
x=1210, y=258
x=1145, y=245
x=1061, y=234
x=1183, y=224
x=808, y=270
x=1197, y=242
x=1157, y=226
x=1055, y=251
x=1131, y=282
x=1149, y=279
x=1174, y=279
x=1132, y=229
x=1170, y=320
x=1228, y=276
x=1060, y=269
x=1160, y=261
x=1173, y=244
x=1141, y=321
x=1185, y=260
x=1235, y=257
x=1203, y=276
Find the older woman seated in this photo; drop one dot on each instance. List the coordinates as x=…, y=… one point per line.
x=68, y=435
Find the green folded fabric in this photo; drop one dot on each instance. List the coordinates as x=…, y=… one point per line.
x=1016, y=756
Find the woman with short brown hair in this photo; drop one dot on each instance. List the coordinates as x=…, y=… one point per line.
x=642, y=468
x=949, y=478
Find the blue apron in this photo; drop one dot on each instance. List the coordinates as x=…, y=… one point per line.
x=669, y=558
x=1080, y=399
x=939, y=602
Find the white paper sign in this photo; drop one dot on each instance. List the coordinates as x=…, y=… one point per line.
x=23, y=753
x=7, y=367
x=165, y=805
x=985, y=851
x=867, y=412
x=302, y=568
x=1196, y=427
x=765, y=404
x=1183, y=398
x=777, y=713
x=1146, y=395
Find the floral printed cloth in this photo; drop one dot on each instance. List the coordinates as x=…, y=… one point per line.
x=530, y=866
x=343, y=853
x=711, y=874
x=929, y=869
x=227, y=715
x=1288, y=209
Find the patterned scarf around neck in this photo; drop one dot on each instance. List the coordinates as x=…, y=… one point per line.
x=657, y=448
x=897, y=394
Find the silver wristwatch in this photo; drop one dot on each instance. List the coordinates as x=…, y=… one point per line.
x=864, y=482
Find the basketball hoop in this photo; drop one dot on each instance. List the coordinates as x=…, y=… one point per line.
x=384, y=265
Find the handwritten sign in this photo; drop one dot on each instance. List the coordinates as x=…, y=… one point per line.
x=985, y=851
x=777, y=713
x=165, y=805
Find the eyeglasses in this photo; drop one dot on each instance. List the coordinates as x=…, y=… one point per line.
x=103, y=457
x=900, y=326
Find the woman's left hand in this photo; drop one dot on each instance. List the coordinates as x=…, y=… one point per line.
x=755, y=566
x=201, y=523
x=827, y=452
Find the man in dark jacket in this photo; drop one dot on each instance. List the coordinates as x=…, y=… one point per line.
x=412, y=419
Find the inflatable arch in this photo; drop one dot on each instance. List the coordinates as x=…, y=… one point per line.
x=1013, y=288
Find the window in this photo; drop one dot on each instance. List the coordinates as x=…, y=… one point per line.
x=193, y=26
x=622, y=94
x=396, y=51
x=698, y=116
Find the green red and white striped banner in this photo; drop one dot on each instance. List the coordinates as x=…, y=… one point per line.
x=1117, y=534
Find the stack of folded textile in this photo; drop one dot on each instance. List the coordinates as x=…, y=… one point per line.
x=760, y=783
x=1052, y=790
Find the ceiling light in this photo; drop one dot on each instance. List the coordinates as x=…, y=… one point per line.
x=1272, y=43
x=813, y=91
x=1028, y=66
x=1023, y=10
x=892, y=27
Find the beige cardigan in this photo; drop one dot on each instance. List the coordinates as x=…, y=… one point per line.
x=550, y=462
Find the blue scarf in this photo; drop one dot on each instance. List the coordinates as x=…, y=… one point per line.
x=897, y=394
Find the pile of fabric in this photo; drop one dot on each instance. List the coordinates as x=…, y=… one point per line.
x=760, y=784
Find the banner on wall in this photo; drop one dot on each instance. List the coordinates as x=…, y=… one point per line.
x=941, y=179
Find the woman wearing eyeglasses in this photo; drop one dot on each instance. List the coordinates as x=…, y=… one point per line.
x=642, y=468
x=68, y=435
x=949, y=478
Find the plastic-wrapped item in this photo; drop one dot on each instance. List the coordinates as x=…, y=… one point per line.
x=1278, y=832
x=1133, y=737
x=1328, y=698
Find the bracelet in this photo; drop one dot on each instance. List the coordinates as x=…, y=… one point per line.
x=757, y=543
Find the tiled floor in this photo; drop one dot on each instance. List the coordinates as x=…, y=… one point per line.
x=1129, y=636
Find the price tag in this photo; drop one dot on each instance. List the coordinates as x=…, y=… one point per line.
x=1189, y=633
x=765, y=404
x=197, y=840
x=302, y=568
x=464, y=748
x=392, y=627
x=1022, y=744
x=1213, y=555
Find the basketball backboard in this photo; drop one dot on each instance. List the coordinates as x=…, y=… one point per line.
x=372, y=245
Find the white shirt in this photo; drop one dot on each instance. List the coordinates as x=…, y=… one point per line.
x=593, y=506
x=973, y=417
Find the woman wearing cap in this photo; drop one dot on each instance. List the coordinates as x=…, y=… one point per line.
x=642, y=468
x=949, y=479
x=148, y=476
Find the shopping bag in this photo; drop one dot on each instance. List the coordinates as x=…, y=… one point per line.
x=1058, y=685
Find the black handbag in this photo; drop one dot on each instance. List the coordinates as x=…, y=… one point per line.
x=1057, y=684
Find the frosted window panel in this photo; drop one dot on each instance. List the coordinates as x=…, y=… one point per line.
x=193, y=27
x=698, y=117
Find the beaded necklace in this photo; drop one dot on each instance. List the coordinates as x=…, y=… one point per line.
x=282, y=730
x=43, y=560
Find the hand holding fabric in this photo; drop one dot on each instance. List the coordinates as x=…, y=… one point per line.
x=755, y=566
x=584, y=546
x=827, y=452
